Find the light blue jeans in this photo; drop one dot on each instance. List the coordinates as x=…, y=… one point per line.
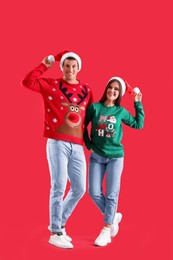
x=98, y=167
x=66, y=162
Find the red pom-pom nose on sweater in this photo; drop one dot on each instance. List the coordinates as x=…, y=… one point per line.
x=73, y=117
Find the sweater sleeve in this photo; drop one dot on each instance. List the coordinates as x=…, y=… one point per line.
x=91, y=98
x=88, y=119
x=136, y=121
x=32, y=80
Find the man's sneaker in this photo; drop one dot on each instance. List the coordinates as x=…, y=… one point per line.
x=65, y=235
x=104, y=238
x=115, y=225
x=60, y=241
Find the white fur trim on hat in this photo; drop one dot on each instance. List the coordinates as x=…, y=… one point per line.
x=123, y=84
x=71, y=54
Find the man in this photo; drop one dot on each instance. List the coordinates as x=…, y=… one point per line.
x=66, y=100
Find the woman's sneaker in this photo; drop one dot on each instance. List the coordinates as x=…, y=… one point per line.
x=115, y=225
x=104, y=238
x=60, y=241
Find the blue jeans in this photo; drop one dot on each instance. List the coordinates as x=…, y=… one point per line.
x=98, y=167
x=66, y=162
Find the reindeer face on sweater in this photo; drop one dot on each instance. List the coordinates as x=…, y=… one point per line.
x=73, y=120
x=73, y=117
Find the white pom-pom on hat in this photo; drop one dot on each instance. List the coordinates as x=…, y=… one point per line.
x=51, y=59
x=136, y=90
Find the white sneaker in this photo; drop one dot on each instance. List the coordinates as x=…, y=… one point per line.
x=65, y=235
x=104, y=238
x=60, y=241
x=115, y=225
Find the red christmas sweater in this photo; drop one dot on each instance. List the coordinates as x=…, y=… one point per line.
x=65, y=105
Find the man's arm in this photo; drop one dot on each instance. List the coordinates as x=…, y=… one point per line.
x=31, y=80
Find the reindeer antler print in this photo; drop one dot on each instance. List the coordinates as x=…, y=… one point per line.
x=81, y=96
x=64, y=90
x=85, y=93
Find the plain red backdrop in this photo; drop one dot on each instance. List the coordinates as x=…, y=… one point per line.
x=131, y=39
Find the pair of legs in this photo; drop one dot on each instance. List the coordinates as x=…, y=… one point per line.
x=66, y=162
x=112, y=167
x=107, y=203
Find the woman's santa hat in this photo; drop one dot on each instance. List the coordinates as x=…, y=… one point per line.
x=125, y=86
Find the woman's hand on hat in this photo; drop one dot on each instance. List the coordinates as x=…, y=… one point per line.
x=138, y=97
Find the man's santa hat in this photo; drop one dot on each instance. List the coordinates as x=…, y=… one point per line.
x=67, y=54
x=124, y=84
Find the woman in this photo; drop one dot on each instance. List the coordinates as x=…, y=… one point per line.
x=107, y=152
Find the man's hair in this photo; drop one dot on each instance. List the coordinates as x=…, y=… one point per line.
x=70, y=58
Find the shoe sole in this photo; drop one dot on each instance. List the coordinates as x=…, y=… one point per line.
x=61, y=246
x=100, y=244
x=97, y=244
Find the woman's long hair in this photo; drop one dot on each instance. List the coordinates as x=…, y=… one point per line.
x=117, y=101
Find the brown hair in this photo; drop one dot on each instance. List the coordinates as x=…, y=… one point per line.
x=104, y=97
x=70, y=58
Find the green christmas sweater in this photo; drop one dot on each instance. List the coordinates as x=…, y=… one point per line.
x=106, y=127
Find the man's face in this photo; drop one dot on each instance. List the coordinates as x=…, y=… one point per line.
x=70, y=70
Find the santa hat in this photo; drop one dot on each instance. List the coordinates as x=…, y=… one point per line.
x=66, y=54
x=125, y=85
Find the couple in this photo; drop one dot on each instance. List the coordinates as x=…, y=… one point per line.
x=69, y=108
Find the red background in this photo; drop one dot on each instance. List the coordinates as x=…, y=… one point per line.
x=131, y=39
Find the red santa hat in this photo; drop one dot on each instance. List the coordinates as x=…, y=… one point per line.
x=125, y=85
x=66, y=54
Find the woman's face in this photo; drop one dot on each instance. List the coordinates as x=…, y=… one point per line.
x=113, y=91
